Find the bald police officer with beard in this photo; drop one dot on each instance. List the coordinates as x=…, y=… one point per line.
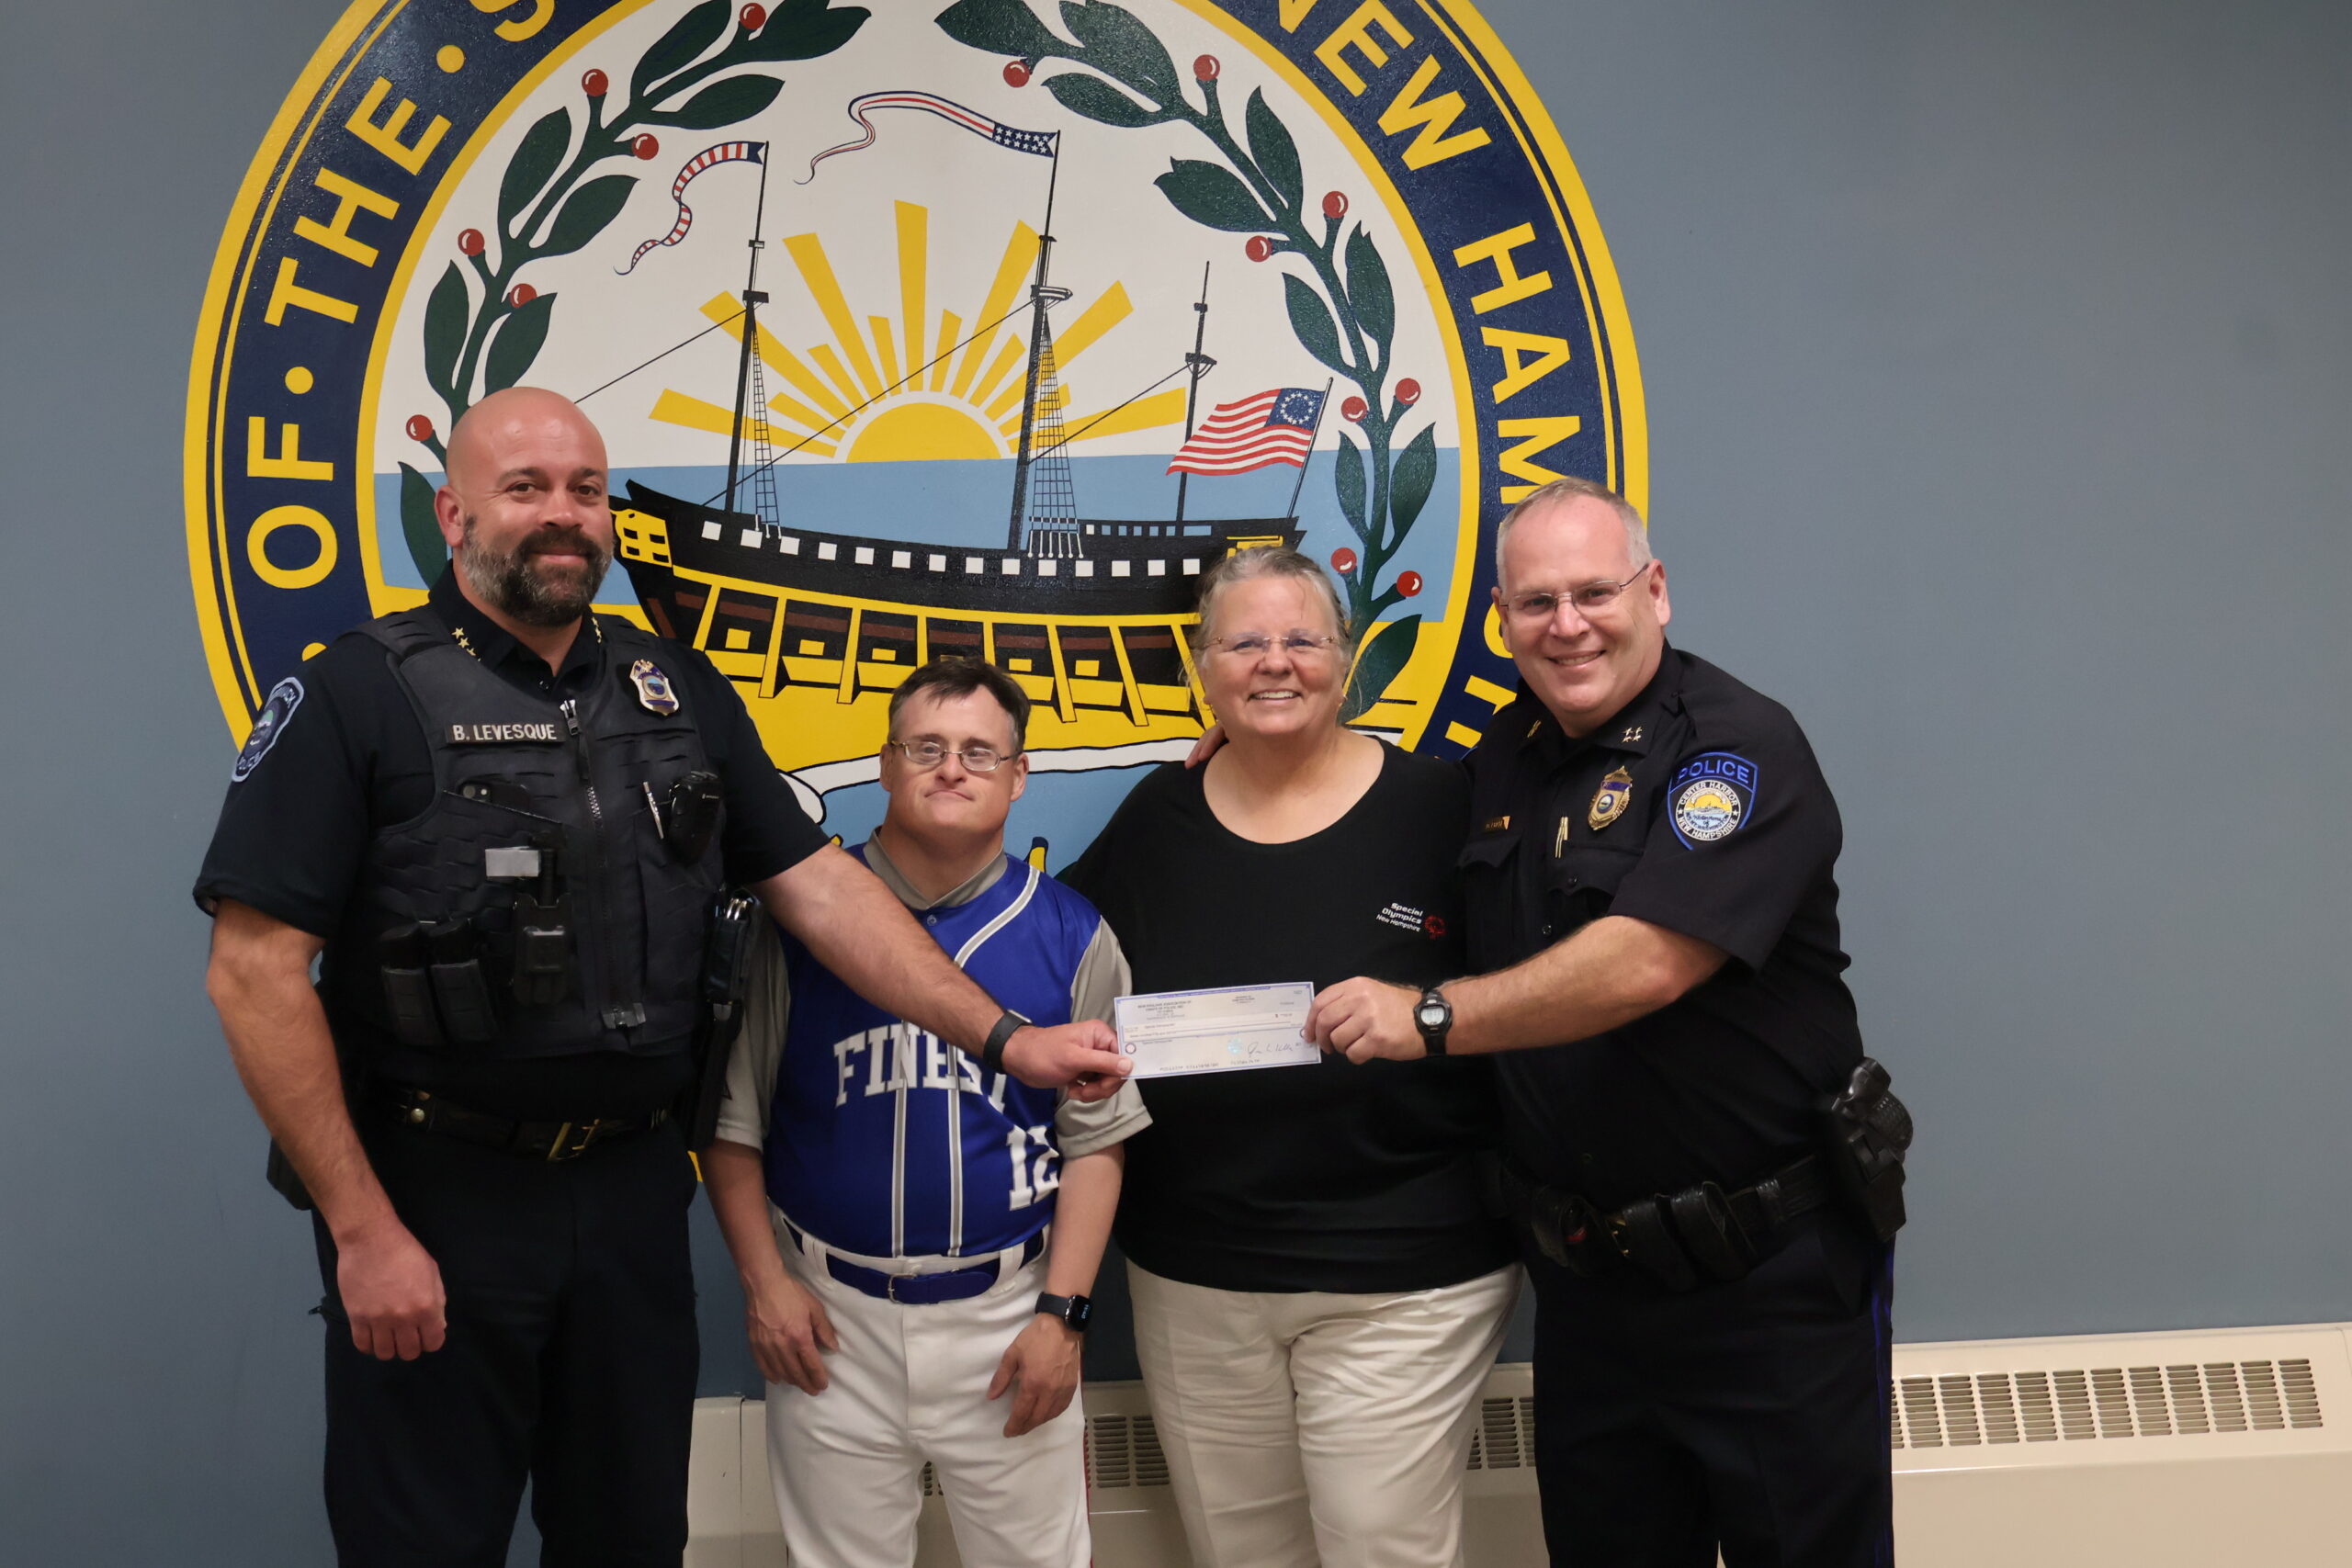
x=1707, y=1168
x=502, y=823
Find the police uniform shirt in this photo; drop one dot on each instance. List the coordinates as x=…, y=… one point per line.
x=350, y=758
x=1699, y=808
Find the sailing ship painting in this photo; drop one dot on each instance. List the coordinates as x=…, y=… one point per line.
x=929, y=482
x=1086, y=613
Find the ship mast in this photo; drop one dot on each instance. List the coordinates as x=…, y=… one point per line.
x=753, y=300
x=1041, y=296
x=1200, y=365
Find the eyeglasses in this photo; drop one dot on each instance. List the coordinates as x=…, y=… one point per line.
x=930, y=754
x=1254, y=645
x=1587, y=598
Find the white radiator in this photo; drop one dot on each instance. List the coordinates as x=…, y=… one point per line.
x=2209, y=1450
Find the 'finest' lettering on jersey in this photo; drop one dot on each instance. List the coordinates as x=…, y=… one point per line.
x=882, y=1139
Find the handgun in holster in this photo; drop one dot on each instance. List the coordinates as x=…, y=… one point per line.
x=726, y=972
x=1864, y=1132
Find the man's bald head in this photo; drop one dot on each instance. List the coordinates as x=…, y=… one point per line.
x=525, y=509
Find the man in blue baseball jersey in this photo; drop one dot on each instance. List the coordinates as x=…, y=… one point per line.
x=916, y=1234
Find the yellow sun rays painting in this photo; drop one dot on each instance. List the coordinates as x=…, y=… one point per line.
x=904, y=389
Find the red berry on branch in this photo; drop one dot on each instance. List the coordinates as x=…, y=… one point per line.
x=419, y=428
x=521, y=295
x=1335, y=205
x=596, y=84
x=1258, y=248
x=1016, y=72
x=645, y=147
x=470, y=241
x=1343, y=560
x=1409, y=391
x=1408, y=583
x=1205, y=68
x=1351, y=408
x=754, y=17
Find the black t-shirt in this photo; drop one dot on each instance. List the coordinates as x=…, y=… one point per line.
x=1326, y=1178
x=1727, y=832
x=350, y=759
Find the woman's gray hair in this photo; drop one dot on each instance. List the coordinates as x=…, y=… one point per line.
x=1260, y=561
x=1637, y=534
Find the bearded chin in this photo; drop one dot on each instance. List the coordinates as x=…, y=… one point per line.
x=509, y=583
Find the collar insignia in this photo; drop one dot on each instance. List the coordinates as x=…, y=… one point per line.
x=1609, y=801
x=1633, y=736
x=652, y=688
x=1496, y=824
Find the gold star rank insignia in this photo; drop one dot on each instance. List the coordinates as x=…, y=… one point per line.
x=1609, y=801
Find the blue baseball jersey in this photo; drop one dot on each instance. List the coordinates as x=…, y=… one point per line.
x=882, y=1138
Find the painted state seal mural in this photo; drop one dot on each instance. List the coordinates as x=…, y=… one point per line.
x=920, y=328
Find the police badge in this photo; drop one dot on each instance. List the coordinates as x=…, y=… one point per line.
x=1609, y=801
x=652, y=688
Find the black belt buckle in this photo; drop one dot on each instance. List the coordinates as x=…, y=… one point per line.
x=571, y=1140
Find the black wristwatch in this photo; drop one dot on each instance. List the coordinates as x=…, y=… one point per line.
x=992, y=1052
x=1075, y=1312
x=1433, y=1015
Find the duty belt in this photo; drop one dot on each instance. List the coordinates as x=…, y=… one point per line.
x=1681, y=1240
x=552, y=1141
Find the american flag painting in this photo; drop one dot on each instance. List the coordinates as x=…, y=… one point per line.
x=1275, y=426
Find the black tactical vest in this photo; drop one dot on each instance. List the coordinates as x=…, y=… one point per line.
x=546, y=816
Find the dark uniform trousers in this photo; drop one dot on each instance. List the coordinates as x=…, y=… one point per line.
x=1751, y=1415
x=570, y=1361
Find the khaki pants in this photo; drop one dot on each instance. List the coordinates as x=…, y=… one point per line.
x=1305, y=1428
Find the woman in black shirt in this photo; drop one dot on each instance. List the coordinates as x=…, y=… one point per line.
x=1318, y=1287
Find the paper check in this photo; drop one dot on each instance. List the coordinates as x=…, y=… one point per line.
x=1221, y=1030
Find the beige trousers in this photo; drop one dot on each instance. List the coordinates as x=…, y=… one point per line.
x=1305, y=1429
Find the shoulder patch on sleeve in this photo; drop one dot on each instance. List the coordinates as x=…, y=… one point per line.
x=268, y=725
x=1712, y=797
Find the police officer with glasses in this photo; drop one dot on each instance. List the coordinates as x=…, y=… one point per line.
x=506, y=827
x=1706, y=1167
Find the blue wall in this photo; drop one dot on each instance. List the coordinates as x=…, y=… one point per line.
x=1997, y=359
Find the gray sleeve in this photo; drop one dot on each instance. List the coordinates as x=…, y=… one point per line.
x=1103, y=977
x=759, y=1046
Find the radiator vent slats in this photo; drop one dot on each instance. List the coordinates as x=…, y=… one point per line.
x=1124, y=1451
x=1965, y=1411
x=1505, y=1436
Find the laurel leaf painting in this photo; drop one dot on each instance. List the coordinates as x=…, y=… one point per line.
x=1214, y=194
x=418, y=525
x=722, y=103
x=445, y=333
x=587, y=211
x=1100, y=101
x=802, y=29
x=1415, y=476
x=1000, y=26
x=534, y=162
x=517, y=344
x=1378, y=665
x=1312, y=321
x=1347, y=477
x=1119, y=46
x=1270, y=145
x=679, y=48
x=1369, y=290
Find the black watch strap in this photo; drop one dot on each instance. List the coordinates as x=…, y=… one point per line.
x=1433, y=1034
x=1076, y=1311
x=992, y=1052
